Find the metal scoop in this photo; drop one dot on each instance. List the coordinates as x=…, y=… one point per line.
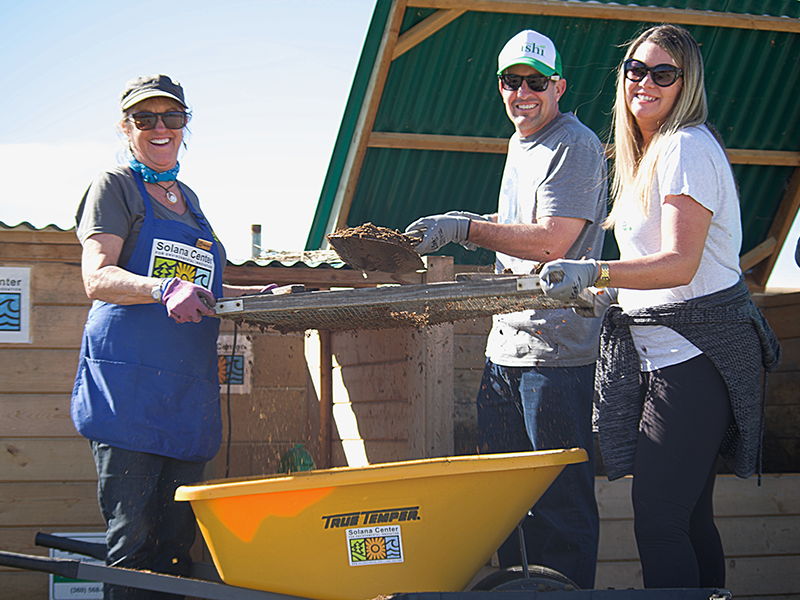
x=375, y=254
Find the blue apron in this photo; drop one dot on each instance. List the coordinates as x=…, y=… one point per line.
x=144, y=382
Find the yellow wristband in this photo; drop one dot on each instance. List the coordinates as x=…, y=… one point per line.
x=603, y=280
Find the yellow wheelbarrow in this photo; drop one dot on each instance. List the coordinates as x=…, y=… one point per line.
x=344, y=533
x=419, y=530
x=357, y=533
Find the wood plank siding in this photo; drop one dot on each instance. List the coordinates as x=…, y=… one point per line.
x=47, y=475
x=407, y=393
x=760, y=526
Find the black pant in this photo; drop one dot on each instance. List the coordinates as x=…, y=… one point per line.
x=686, y=414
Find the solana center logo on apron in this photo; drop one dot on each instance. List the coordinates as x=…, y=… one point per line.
x=190, y=263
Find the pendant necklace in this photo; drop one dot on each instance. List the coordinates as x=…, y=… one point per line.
x=171, y=198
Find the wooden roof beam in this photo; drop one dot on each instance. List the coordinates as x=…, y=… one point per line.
x=446, y=143
x=458, y=143
x=591, y=10
x=781, y=225
x=345, y=190
x=761, y=252
x=424, y=29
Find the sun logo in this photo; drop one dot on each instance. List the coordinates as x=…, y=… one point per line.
x=185, y=272
x=375, y=548
x=222, y=369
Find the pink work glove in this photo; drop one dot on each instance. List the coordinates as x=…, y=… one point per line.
x=186, y=301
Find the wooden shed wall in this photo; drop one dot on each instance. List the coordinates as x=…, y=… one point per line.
x=47, y=475
x=760, y=526
x=391, y=390
x=782, y=424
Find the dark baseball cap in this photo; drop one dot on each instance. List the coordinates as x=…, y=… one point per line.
x=152, y=86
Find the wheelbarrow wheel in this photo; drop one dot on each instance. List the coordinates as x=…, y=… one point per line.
x=542, y=579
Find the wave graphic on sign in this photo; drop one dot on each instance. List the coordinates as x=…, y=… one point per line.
x=10, y=315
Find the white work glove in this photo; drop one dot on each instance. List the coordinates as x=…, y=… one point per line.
x=602, y=298
x=436, y=231
x=186, y=301
x=564, y=279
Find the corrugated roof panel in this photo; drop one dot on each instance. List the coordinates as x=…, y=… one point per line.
x=760, y=182
x=26, y=226
x=446, y=85
x=398, y=186
x=747, y=89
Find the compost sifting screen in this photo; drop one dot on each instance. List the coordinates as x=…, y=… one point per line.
x=392, y=306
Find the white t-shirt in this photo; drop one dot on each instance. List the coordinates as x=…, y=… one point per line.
x=692, y=164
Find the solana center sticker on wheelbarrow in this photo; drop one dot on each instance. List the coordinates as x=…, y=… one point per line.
x=375, y=545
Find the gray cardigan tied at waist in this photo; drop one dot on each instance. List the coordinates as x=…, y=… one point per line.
x=730, y=330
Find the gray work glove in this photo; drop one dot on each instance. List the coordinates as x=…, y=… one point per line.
x=437, y=230
x=564, y=279
x=472, y=217
x=469, y=215
x=602, y=299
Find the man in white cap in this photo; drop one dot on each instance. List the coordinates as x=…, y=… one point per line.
x=538, y=383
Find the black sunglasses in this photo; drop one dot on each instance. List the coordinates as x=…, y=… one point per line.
x=174, y=119
x=662, y=75
x=536, y=83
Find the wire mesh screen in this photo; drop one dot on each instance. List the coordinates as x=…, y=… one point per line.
x=390, y=307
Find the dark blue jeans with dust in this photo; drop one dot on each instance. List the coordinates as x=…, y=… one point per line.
x=147, y=528
x=546, y=408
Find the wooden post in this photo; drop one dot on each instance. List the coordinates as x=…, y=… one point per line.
x=320, y=392
x=325, y=399
x=430, y=378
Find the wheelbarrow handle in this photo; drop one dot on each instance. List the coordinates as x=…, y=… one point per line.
x=146, y=580
x=58, y=542
x=57, y=566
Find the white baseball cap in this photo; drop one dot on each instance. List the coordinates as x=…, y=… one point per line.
x=530, y=48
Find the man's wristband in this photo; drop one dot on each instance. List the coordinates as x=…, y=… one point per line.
x=603, y=280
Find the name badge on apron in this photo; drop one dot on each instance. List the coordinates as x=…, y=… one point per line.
x=174, y=259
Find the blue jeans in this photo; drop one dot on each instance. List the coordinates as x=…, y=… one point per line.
x=545, y=408
x=147, y=528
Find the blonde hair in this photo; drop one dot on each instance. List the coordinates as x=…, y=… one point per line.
x=634, y=163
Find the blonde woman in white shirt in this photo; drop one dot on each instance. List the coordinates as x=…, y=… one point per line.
x=681, y=356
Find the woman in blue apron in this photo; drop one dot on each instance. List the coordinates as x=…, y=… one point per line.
x=146, y=393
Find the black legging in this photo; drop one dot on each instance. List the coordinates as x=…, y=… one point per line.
x=686, y=414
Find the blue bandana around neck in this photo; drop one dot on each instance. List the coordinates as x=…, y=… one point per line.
x=151, y=176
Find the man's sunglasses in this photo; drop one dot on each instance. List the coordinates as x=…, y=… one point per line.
x=174, y=119
x=662, y=75
x=536, y=83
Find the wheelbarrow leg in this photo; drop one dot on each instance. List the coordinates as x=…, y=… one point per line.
x=523, y=552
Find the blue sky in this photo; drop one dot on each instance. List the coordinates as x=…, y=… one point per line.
x=267, y=81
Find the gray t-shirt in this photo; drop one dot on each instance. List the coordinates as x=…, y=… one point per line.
x=560, y=171
x=113, y=204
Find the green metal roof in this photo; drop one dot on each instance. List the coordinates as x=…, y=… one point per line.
x=426, y=85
